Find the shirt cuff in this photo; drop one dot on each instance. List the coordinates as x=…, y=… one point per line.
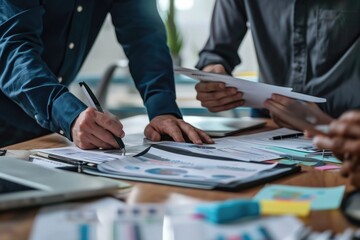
x=65, y=110
x=162, y=104
x=209, y=58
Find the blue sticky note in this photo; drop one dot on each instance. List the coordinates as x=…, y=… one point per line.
x=320, y=198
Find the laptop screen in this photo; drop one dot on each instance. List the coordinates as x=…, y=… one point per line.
x=11, y=187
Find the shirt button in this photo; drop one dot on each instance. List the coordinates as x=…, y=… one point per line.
x=61, y=132
x=71, y=45
x=60, y=79
x=79, y=8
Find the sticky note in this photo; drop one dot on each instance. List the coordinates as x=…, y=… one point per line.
x=276, y=207
x=328, y=167
x=321, y=198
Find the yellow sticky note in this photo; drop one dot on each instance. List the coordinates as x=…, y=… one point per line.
x=276, y=207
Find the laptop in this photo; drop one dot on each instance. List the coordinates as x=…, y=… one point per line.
x=224, y=126
x=23, y=184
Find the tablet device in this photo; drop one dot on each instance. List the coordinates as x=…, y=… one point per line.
x=224, y=126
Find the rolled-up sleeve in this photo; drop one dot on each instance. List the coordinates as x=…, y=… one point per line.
x=24, y=77
x=141, y=32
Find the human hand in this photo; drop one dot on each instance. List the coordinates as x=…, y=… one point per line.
x=215, y=68
x=176, y=128
x=215, y=96
x=343, y=139
x=291, y=113
x=94, y=129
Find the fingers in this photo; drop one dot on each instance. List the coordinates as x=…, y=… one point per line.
x=223, y=104
x=195, y=135
x=351, y=116
x=344, y=129
x=151, y=134
x=339, y=146
x=177, y=129
x=206, y=87
x=285, y=101
x=215, y=68
x=216, y=97
x=283, y=117
x=323, y=142
x=349, y=146
x=93, y=129
x=109, y=122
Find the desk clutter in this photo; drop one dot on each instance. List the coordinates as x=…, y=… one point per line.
x=232, y=163
x=110, y=219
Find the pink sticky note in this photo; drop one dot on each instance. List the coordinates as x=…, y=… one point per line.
x=328, y=167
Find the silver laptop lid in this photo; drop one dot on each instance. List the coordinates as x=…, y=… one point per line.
x=25, y=184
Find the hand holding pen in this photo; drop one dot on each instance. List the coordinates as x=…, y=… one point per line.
x=95, y=129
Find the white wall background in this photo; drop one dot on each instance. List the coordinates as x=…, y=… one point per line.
x=193, y=19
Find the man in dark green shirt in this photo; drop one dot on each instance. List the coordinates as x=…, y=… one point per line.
x=43, y=45
x=311, y=46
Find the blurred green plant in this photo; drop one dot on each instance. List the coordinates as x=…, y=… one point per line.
x=174, y=38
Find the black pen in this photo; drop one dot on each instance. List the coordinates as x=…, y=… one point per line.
x=286, y=136
x=95, y=104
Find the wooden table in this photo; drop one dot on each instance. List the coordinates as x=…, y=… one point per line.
x=17, y=224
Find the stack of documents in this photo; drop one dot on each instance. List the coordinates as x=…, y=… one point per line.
x=231, y=163
x=160, y=164
x=255, y=93
x=179, y=164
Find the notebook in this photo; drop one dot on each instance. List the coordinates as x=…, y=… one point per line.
x=25, y=184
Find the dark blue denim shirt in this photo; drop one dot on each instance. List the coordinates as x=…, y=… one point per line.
x=44, y=43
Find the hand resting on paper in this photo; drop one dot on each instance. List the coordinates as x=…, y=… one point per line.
x=215, y=96
x=294, y=114
x=175, y=129
x=343, y=139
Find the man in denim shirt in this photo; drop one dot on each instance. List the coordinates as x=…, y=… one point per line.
x=43, y=44
x=310, y=46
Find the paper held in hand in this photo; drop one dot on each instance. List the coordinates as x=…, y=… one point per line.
x=255, y=93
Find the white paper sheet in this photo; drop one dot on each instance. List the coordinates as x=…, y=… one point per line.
x=255, y=93
x=75, y=153
x=227, y=147
x=160, y=164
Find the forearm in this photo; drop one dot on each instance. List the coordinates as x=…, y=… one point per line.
x=26, y=79
x=142, y=35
